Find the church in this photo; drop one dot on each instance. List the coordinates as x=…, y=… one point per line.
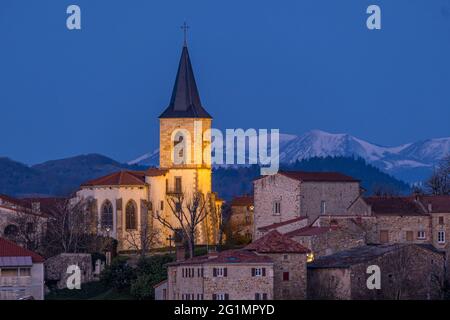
x=126, y=202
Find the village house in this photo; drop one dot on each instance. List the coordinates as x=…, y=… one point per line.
x=22, y=220
x=273, y=267
x=408, y=271
x=288, y=195
x=241, y=218
x=21, y=273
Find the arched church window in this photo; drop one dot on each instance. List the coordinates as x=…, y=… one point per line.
x=107, y=215
x=130, y=215
x=11, y=231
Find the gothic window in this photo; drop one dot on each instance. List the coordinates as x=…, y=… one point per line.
x=131, y=216
x=107, y=215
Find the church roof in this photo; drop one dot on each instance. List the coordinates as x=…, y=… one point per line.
x=121, y=178
x=185, y=101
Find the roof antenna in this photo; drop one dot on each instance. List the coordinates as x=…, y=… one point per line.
x=185, y=29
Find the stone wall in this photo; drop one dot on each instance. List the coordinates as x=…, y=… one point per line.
x=295, y=287
x=56, y=268
x=397, y=228
x=241, y=221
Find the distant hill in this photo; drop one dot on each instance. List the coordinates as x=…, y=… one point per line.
x=56, y=177
x=230, y=182
x=64, y=176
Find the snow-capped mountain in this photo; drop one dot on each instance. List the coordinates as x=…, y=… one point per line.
x=412, y=162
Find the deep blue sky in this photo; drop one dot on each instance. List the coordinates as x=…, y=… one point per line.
x=294, y=65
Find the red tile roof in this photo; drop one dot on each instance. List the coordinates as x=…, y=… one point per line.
x=439, y=204
x=403, y=206
x=275, y=242
x=243, y=201
x=228, y=256
x=280, y=224
x=121, y=178
x=310, y=231
x=154, y=172
x=318, y=176
x=10, y=249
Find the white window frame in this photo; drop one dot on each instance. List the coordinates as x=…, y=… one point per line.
x=441, y=236
x=277, y=208
x=421, y=235
x=323, y=207
x=220, y=296
x=220, y=272
x=258, y=272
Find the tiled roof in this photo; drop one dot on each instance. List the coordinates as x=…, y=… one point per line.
x=318, y=176
x=310, y=231
x=439, y=204
x=404, y=206
x=242, y=201
x=24, y=205
x=154, y=172
x=10, y=249
x=228, y=256
x=347, y=258
x=275, y=242
x=280, y=224
x=121, y=178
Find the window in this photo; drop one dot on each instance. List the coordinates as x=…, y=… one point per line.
x=130, y=214
x=107, y=215
x=219, y=272
x=161, y=205
x=441, y=220
x=285, y=276
x=258, y=272
x=178, y=185
x=277, y=208
x=25, y=272
x=9, y=272
x=221, y=296
x=323, y=207
x=441, y=237
x=199, y=296
x=11, y=231
x=30, y=227
x=285, y=257
x=409, y=236
x=384, y=236
x=421, y=235
x=179, y=146
x=260, y=296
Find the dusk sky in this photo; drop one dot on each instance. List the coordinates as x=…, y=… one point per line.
x=293, y=65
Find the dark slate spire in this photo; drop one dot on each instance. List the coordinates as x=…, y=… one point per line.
x=185, y=101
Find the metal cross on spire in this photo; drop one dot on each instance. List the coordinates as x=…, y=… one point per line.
x=185, y=28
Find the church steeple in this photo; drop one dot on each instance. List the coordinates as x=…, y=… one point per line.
x=185, y=101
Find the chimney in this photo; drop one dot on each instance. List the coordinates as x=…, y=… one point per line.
x=180, y=252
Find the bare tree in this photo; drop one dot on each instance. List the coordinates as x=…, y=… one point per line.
x=30, y=228
x=439, y=182
x=72, y=226
x=143, y=239
x=188, y=213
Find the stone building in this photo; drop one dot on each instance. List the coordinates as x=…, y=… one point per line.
x=128, y=202
x=22, y=219
x=291, y=194
x=408, y=271
x=21, y=273
x=273, y=267
x=241, y=218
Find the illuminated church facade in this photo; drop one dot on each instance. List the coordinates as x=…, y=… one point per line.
x=126, y=201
